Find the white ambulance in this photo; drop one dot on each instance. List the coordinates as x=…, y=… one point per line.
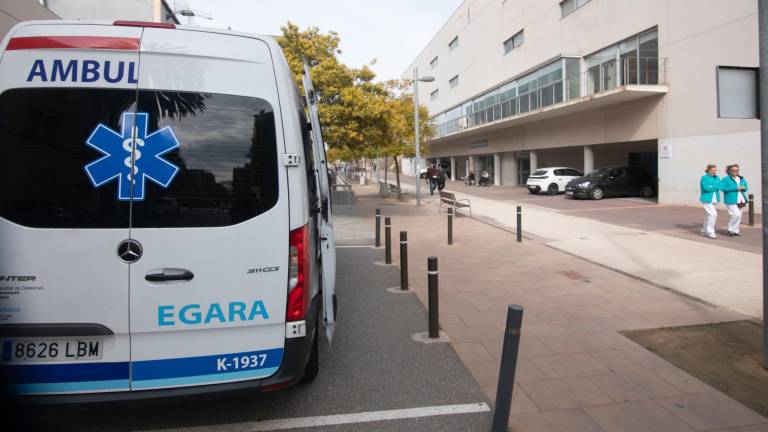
x=165, y=219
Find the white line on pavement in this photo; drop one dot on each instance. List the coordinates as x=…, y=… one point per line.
x=341, y=419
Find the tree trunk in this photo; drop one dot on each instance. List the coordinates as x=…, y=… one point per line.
x=385, y=170
x=397, y=176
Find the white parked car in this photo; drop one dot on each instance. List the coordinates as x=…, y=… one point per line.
x=551, y=180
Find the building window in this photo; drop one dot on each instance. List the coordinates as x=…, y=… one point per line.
x=737, y=92
x=568, y=6
x=514, y=42
x=453, y=44
x=632, y=61
x=434, y=95
x=453, y=82
x=434, y=62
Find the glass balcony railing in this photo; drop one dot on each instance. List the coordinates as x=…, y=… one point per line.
x=599, y=78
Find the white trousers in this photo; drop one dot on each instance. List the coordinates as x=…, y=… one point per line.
x=709, y=219
x=735, y=213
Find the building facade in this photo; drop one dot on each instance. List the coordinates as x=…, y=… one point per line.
x=111, y=10
x=667, y=84
x=14, y=11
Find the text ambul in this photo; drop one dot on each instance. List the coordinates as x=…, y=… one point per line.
x=86, y=71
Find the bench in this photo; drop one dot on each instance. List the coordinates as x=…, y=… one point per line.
x=449, y=199
x=386, y=188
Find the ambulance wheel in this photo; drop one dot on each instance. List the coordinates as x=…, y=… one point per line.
x=313, y=364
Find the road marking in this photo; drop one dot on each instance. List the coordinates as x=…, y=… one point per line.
x=341, y=419
x=354, y=247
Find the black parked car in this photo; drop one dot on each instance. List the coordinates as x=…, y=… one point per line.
x=612, y=182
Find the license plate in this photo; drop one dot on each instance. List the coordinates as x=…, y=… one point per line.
x=47, y=350
x=569, y=193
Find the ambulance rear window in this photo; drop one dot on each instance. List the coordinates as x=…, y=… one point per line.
x=223, y=171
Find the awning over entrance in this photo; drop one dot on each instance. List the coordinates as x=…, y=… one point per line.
x=595, y=101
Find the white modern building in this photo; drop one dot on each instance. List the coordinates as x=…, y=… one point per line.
x=666, y=84
x=110, y=10
x=14, y=11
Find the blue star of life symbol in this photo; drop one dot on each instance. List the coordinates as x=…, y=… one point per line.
x=132, y=156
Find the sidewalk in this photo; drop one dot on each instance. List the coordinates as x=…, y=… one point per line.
x=575, y=371
x=722, y=276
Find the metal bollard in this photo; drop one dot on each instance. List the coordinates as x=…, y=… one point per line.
x=450, y=226
x=387, y=240
x=403, y=260
x=507, y=369
x=378, y=228
x=519, y=224
x=751, y=210
x=434, y=313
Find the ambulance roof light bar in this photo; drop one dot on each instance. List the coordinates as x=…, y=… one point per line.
x=144, y=24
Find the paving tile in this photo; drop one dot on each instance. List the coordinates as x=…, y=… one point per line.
x=471, y=352
x=521, y=403
x=708, y=411
x=633, y=386
x=531, y=346
x=683, y=381
x=572, y=420
x=642, y=416
x=575, y=343
x=754, y=428
x=565, y=393
x=569, y=365
x=630, y=360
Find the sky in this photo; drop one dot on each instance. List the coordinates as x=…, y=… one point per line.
x=391, y=31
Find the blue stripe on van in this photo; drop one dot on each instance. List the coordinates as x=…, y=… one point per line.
x=69, y=387
x=219, y=364
x=62, y=373
x=205, y=379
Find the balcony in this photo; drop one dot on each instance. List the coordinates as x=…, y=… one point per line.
x=604, y=84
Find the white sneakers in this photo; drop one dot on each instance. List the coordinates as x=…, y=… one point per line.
x=709, y=235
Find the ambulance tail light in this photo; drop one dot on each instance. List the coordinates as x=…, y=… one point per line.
x=298, y=275
x=144, y=24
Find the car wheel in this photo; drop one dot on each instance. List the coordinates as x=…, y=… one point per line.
x=552, y=189
x=596, y=193
x=313, y=364
x=532, y=192
x=646, y=191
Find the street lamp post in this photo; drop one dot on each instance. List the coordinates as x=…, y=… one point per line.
x=416, y=80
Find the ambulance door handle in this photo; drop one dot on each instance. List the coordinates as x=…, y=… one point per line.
x=184, y=275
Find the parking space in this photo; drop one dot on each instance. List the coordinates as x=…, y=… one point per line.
x=373, y=372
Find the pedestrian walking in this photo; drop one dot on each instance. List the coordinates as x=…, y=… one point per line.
x=441, y=178
x=734, y=188
x=710, y=197
x=432, y=176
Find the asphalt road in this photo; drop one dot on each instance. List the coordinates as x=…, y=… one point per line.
x=373, y=365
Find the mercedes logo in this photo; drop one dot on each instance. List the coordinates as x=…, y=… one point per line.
x=129, y=251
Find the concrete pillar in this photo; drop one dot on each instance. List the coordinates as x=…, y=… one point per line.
x=534, y=161
x=497, y=169
x=471, y=165
x=589, y=158
x=453, y=168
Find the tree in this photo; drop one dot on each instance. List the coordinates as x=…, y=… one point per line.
x=400, y=135
x=360, y=118
x=352, y=107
